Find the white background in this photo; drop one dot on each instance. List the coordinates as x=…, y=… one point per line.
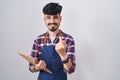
x=94, y=24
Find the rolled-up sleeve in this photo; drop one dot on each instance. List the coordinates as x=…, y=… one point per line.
x=35, y=53
x=71, y=55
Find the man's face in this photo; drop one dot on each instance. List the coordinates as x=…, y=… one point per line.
x=52, y=22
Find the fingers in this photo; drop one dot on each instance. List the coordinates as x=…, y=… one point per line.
x=61, y=40
x=41, y=65
x=61, y=44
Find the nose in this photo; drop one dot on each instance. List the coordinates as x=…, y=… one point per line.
x=52, y=20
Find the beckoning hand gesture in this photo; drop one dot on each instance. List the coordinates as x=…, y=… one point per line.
x=60, y=47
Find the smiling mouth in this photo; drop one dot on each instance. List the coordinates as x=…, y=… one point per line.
x=52, y=23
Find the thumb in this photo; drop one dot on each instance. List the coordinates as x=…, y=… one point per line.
x=60, y=39
x=39, y=62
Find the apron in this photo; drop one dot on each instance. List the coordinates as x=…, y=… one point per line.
x=53, y=61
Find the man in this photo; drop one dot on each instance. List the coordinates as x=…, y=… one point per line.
x=53, y=49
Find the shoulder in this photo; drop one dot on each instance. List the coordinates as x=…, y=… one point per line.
x=40, y=38
x=42, y=35
x=66, y=36
x=68, y=39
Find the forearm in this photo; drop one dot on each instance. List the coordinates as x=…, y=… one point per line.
x=66, y=62
x=69, y=63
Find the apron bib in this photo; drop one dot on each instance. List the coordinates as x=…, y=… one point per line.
x=53, y=61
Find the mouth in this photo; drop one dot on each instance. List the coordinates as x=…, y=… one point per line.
x=52, y=24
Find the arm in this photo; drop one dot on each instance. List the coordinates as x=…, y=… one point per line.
x=36, y=54
x=67, y=54
x=71, y=65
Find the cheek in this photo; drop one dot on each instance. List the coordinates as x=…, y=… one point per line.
x=46, y=22
x=58, y=22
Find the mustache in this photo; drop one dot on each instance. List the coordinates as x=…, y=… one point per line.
x=52, y=23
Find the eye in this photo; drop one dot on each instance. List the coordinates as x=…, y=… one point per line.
x=56, y=17
x=48, y=17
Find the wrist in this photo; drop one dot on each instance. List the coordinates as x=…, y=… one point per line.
x=65, y=60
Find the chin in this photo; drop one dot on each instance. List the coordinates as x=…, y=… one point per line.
x=52, y=30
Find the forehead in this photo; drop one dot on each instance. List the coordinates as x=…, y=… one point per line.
x=57, y=15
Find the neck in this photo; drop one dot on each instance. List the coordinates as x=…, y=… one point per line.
x=53, y=34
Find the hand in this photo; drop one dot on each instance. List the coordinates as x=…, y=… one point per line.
x=41, y=65
x=60, y=47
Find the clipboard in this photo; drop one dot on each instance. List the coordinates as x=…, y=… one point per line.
x=32, y=60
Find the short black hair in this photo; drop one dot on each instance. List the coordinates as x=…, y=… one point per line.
x=52, y=9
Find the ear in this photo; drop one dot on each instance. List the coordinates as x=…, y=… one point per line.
x=60, y=18
x=44, y=17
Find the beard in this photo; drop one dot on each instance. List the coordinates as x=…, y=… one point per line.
x=53, y=29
